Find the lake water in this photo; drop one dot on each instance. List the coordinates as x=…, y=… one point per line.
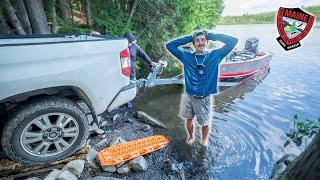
x=250, y=120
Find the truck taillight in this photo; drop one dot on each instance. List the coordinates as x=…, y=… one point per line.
x=125, y=62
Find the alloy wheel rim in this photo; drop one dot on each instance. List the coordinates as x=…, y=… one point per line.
x=49, y=134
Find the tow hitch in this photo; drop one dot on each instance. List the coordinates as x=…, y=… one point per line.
x=152, y=79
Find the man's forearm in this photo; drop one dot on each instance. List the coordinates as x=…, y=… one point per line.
x=142, y=54
x=173, y=46
x=227, y=40
x=145, y=57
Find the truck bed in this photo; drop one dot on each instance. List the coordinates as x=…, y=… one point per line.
x=47, y=39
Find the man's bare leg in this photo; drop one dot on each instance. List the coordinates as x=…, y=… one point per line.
x=205, y=135
x=189, y=124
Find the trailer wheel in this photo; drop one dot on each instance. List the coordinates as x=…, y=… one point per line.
x=45, y=130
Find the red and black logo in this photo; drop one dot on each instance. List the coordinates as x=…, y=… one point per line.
x=293, y=25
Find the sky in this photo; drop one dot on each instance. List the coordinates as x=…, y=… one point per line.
x=240, y=7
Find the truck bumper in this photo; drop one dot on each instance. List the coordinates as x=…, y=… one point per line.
x=125, y=95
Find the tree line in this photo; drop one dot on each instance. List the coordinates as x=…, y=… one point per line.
x=261, y=18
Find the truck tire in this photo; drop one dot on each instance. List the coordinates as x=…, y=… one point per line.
x=45, y=130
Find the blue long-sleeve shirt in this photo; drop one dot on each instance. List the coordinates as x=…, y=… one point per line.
x=206, y=83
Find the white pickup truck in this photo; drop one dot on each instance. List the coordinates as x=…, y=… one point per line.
x=42, y=78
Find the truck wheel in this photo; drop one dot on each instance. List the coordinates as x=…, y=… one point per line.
x=44, y=131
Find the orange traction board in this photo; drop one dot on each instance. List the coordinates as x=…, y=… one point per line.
x=129, y=150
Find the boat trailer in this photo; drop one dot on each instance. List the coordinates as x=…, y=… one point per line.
x=152, y=80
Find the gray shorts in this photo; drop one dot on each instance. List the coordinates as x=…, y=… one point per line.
x=201, y=108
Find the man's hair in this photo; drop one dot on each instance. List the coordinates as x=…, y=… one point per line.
x=130, y=37
x=199, y=33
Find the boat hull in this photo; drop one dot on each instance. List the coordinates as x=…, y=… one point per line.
x=243, y=68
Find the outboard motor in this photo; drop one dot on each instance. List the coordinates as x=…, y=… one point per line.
x=252, y=45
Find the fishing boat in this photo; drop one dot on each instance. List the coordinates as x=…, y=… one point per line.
x=239, y=64
x=231, y=70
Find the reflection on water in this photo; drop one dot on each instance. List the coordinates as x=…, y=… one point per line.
x=249, y=120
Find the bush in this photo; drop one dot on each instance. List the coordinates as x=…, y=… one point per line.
x=303, y=128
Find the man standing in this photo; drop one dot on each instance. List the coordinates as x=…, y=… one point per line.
x=201, y=76
x=135, y=51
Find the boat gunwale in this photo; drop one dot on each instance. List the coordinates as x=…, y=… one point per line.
x=250, y=60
